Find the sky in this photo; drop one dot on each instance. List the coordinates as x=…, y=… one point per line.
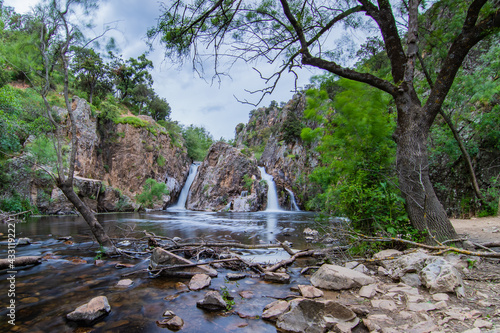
x=193, y=100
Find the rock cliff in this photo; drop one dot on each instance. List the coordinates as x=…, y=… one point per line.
x=227, y=180
x=114, y=159
x=273, y=135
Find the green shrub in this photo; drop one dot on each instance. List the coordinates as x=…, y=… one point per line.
x=161, y=161
x=152, y=193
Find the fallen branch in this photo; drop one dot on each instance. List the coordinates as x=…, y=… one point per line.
x=20, y=261
x=228, y=244
x=290, y=260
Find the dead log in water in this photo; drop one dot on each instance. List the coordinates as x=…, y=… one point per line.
x=20, y=261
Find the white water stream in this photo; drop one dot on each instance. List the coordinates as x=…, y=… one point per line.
x=272, y=193
x=294, y=206
x=181, y=203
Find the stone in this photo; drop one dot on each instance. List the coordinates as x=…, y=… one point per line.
x=420, y=307
x=181, y=287
x=441, y=305
x=246, y=294
x=310, y=232
x=409, y=263
x=335, y=277
x=275, y=309
x=473, y=330
x=384, y=304
x=312, y=316
x=161, y=258
x=368, y=291
x=384, y=254
x=277, y=277
x=175, y=323
x=124, y=283
x=411, y=279
x=440, y=276
x=235, y=276
x=199, y=281
x=440, y=297
x=480, y=323
x=310, y=291
x=424, y=327
x=377, y=321
x=404, y=289
x=93, y=310
x=23, y=241
x=212, y=301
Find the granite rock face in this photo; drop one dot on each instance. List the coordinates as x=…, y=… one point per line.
x=227, y=180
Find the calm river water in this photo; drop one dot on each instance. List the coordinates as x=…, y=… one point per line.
x=68, y=277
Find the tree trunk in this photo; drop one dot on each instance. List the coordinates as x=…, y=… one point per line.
x=422, y=205
x=89, y=217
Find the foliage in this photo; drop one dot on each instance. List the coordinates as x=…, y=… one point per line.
x=16, y=204
x=248, y=182
x=152, y=193
x=198, y=141
x=357, y=166
x=291, y=128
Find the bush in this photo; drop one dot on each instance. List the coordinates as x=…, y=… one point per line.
x=152, y=193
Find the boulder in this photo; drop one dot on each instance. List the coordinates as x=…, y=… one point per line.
x=313, y=316
x=275, y=309
x=163, y=258
x=235, y=276
x=221, y=179
x=440, y=276
x=199, y=281
x=277, y=277
x=212, y=301
x=94, y=309
x=174, y=323
x=310, y=291
x=335, y=277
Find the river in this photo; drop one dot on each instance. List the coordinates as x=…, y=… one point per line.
x=68, y=277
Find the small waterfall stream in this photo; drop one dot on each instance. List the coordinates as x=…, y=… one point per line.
x=294, y=206
x=272, y=193
x=181, y=203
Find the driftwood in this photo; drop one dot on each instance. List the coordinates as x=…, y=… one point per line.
x=6, y=217
x=226, y=244
x=290, y=260
x=20, y=261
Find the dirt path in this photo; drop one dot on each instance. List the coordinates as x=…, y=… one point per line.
x=480, y=230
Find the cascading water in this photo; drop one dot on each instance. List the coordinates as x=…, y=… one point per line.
x=272, y=193
x=294, y=206
x=181, y=203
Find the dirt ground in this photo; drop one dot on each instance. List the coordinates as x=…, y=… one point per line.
x=479, y=230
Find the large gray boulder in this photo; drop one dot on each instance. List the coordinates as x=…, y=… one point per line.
x=96, y=308
x=335, y=277
x=312, y=316
x=212, y=301
x=440, y=276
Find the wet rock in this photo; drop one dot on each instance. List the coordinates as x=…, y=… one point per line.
x=181, y=287
x=310, y=291
x=313, y=316
x=235, y=276
x=440, y=276
x=162, y=258
x=199, y=281
x=212, y=301
x=23, y=241
x=308, y=232
x=94, y=309
x=247, y=294
x=275, y=309
x=124, y=283
x=336, y=278
x=277, y=277
x=99, y=262
x=175, y=323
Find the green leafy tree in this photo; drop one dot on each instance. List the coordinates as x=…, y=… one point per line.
x=92, y=73
x=131, y=73
x=296, y=33
x=198, y=141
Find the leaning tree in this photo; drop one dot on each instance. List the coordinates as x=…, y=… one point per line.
x=296, y=33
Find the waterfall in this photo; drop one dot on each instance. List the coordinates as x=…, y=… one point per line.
x=272, y=193
x=292, y=200
x=181, y=203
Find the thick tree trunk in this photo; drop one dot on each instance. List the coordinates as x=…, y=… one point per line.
x=89, y=217
x=422, y=205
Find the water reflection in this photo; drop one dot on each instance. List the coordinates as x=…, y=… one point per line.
x=47, y=292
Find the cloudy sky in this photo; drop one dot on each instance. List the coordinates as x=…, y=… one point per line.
x=193, y=100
